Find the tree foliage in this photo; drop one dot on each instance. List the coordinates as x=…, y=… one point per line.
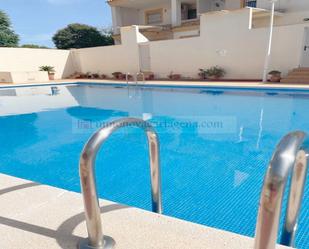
x=8, y=38
x=32, y=46
x=81, y=36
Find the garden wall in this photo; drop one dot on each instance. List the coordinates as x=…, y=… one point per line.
x=106, y=60
x=226, y=39
x=29, y=60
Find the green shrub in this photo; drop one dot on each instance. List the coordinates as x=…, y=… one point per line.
x=48, y=69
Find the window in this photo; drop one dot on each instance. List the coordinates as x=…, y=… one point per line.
x=154, y=16
x=250, y=3
x=188, y=11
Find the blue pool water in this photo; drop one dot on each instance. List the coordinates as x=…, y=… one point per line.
x=215, y=145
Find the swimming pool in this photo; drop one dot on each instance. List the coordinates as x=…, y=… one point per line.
x=215, y=145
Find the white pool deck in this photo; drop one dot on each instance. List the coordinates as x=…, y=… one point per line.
x=180, y=83
x=34, y=216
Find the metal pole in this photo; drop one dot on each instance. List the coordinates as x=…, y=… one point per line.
x=267, y=58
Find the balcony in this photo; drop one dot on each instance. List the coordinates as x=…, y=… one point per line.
x=251, y=3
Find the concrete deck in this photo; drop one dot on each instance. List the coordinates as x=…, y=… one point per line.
x=180, y=83
x=34, y=216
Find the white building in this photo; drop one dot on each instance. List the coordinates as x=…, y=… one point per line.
x=166, y=19
x=170, y=19
x=183, y=36
x=174, y=19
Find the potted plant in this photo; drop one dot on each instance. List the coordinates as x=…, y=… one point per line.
x=103, y=76
x=83, y=76
x=95, y=76
x=50, y=70
x=119, y=75
x=150, y=76
x=214, y=73
x=275, y=76
x=173, y=76
x=202, y=74
x=76, y=75
x=88, y=75
x=130, y=77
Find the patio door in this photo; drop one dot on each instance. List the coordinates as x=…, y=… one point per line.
x=305, y=49
x=144, y=53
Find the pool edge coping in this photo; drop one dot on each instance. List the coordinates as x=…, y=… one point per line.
x=171, y=84
x=159, y=231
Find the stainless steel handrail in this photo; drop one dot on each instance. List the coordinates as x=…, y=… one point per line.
x=291, y=156
x=87, y=175
x=140, y=74
x=128, y=77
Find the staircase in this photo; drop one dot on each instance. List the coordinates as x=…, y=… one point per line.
x=298, y=76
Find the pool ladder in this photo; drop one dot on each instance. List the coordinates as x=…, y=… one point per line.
x=95, y=239
x=137, y=76
x=290, y=157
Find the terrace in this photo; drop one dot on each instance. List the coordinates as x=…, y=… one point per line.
x=161, y=20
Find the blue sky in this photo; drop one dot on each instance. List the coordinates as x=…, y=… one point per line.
x=37, y=20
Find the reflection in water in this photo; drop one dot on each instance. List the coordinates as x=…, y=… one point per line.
x=93, y=114
x=218, y=174
x=241, y=131
x=260, y=130
x=134, y=91
x=7, y=92
x=212, y=92
x=25, y=100
x=55, y=90
x=271, y=93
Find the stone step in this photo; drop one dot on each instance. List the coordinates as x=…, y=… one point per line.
x=301, y=69
x=295, y=81
x=302, y=73
x=296, y=77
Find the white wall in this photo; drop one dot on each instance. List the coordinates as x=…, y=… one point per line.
x=227, y=41
x=118, y=58
x=204, y=6
x=183, y=34
x=27, y=59
x=233, y=4
x=23, y=77
x=287, y=5
x=289, y=18
x=167, y=19
x=129, y=16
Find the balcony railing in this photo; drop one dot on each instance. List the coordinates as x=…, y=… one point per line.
x=251, y=3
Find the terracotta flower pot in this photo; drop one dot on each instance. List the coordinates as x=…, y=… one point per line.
x=174, y=76
x=51, y=76
x=150, y=77
x=275, y=78
x=213, y=77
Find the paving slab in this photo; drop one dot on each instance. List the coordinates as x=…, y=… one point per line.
x=36, y=216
